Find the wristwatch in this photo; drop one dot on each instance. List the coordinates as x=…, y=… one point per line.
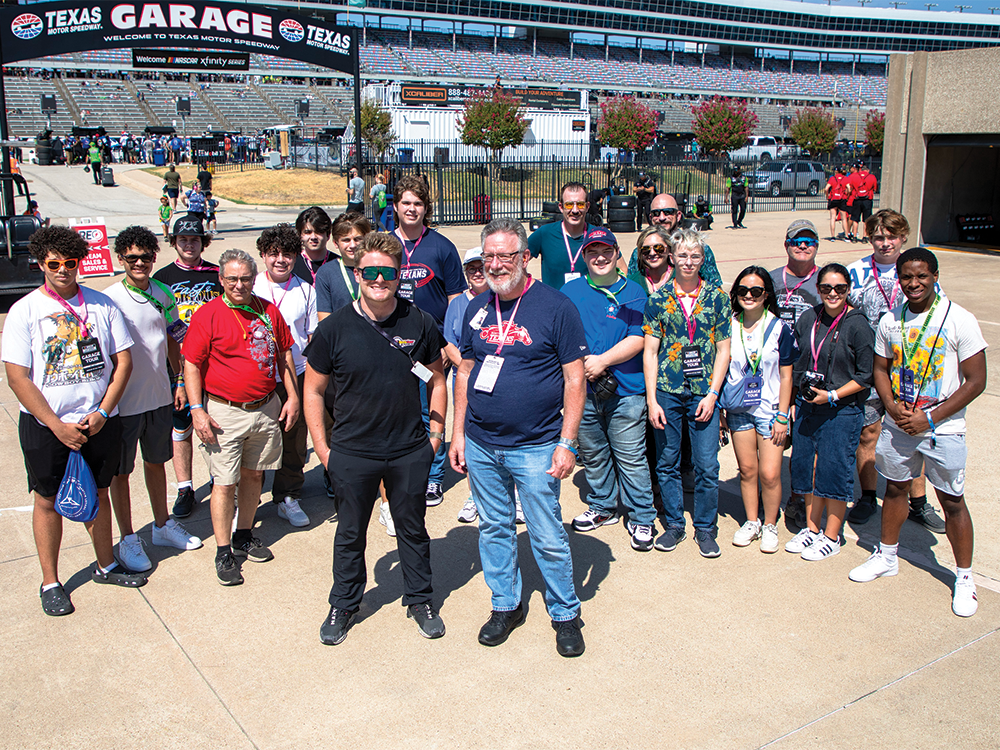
x=568, y=444
x=433, y=435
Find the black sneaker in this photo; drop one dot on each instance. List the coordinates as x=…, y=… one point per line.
x=569, y=639
x=252, y=549
x=500, y=626
x=429, y=622
x=926, y=517
x=184, y=504
x=668, y=540
x=863, y=510
x=55, y=602
x=119, y=576
x=795, y=513
x=334, y=629
x=227, y=568
x=434, y=494
x=707, y=545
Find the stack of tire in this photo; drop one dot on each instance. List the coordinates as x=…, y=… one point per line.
x=550, y=213
x=621, y=213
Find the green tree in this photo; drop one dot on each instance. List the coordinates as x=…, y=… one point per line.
x=875, y=131
x=376, y=127
x=722, y=124
x=814, y=130
x=493, y=120
x=625, y=124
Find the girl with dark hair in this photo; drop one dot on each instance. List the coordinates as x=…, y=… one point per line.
x=762, y=353
x=832, y=377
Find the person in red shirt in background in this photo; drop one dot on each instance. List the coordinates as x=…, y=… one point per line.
x=863, y=190
x=835, y=202
x=236, y=349
x=850, y=195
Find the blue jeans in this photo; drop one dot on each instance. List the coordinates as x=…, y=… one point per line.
x=831, y=433
x=493, y=474
x=704, y=454
x=437, y=465
x=613, y=449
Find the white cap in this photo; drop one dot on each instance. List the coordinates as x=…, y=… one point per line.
x=472, y=254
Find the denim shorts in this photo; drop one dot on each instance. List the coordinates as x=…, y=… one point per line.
x=874, y=410
x=738, y=421
x=827, y=437
x=900, y=457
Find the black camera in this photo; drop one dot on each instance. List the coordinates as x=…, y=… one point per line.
x=605, y=387
x=810, y=382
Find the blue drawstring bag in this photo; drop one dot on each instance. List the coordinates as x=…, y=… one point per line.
x=77, y=495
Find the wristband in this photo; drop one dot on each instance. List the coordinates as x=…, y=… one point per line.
x=832, y=396
x=782, y=414
x=105, y=415
x=713, y=392
x=930, y=420
x=192, y=407
x=568, y=444
x=438, y=435
x=781, y=420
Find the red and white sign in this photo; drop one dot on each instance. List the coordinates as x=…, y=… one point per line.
x=98, y=260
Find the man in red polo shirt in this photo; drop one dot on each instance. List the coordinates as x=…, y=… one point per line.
x=236, y=349
x=835, y=203
x=863, y=190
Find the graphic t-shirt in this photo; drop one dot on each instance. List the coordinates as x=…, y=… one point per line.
x=41, y=335
x=795, y=294
x=525, y=405
x=549, y=242
x=377, y=410
x=951, y=336
x=297, y=302
x=770, y=355
x=874, y=293
x=235, y=350
x=435, y=271
x=607, y=321
x=191, y=288
x=335, y=286
x=149, y=384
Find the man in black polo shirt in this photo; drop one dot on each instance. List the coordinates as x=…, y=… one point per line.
x=644, y=189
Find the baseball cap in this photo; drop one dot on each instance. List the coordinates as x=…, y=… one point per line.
x=188, y=226
x=475, y=253
x=799, y=226
x=598, y=236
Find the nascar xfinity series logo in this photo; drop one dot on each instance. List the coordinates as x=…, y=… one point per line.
x=26, y=26
x=292, y=30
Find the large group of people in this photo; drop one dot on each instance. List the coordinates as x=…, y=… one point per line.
x=638, y=370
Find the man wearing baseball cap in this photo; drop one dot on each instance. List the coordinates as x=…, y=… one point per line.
x=613, y=429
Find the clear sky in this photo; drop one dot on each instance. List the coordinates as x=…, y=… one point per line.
x=978, y=6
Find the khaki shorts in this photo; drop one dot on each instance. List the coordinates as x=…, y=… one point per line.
x=248, y=439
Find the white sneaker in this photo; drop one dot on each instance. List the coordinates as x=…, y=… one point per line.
x=518, y=511
x=289, y=510
x=800, y=541
x=131, y=554
x=964, y=602
x=173, y=534
x=821, y=548
x=469, y=512
x=876, y=566
x=769, y=538
x=385, y=518
x=748, y=532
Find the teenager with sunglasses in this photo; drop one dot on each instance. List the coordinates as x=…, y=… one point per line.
x=832, y=379
x=762, y=353
x=66, y=352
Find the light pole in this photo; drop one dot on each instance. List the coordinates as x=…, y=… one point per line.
x=960, y=8
x=930, y=5
x=863, y=3
x=895, y=4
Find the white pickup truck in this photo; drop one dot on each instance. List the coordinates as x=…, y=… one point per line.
x=759, y=147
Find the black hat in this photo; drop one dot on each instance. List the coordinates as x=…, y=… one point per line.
x=188, y=226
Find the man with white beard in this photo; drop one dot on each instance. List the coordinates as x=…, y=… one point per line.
x=519, y=397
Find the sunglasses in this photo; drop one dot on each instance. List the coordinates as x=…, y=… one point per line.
x=133, y=259
x=370, y=273
x=807, y=241
x=664, y=211
x=69, y=264
x=570, y=205
x=754, y=291
x=653, y=250
x=827, y=288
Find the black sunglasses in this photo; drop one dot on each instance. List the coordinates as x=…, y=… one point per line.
x=370, y=273
x=665, y=211
x=144, y=258
x=754, y=291
x=827, y=288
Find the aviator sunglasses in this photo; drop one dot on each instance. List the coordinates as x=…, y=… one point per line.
x=370, y=273
x=664, y=211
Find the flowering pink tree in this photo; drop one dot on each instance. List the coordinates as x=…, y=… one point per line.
x=493, y=120
x=626, y=124
x=875, y=130
x=722, y=124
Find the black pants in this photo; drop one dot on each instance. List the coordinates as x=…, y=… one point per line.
x=95, y=167
x=356, y=480
x=739, y=209
x=642, y=210
x=288, y=480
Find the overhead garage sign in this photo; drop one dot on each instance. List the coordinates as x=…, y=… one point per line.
x=42, y=29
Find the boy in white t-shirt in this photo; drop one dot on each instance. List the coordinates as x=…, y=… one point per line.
x=67, y=359
x=147, y=405
x=930, y=364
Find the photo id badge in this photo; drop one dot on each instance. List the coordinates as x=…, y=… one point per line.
x=90, y=356
x=488, y=373
x=478, y=319
x=691, y=362
x=569, y=277
x=787, y=314
x=752, y=390
x=406, y=290
x=177, y=330
x=907, y=385
x=420, y=371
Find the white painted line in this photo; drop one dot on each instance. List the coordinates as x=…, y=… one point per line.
x=19, y=509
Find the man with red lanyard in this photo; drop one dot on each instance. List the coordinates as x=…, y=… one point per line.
x=296, y=300
x=560, y=243
x=237, y=348
x=863, y=188
x=875, y=291
x=431, y=276
x=313, y=226
x=193, y=281
x=66, y=355
x=835, y=201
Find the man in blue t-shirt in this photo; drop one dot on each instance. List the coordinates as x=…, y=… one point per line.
x=559, y=243
x=613, y=430
x=519, y=396
x=430, y=277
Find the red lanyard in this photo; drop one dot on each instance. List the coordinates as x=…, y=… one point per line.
x=569, y=254
x=784, y=279
x=80, y=319
x=309, y=265
x=194, y=268
x=288, y=283
x=510, y=321
x=812, y=339
x=416, y=244
x=692, y=322
x=895, y=285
